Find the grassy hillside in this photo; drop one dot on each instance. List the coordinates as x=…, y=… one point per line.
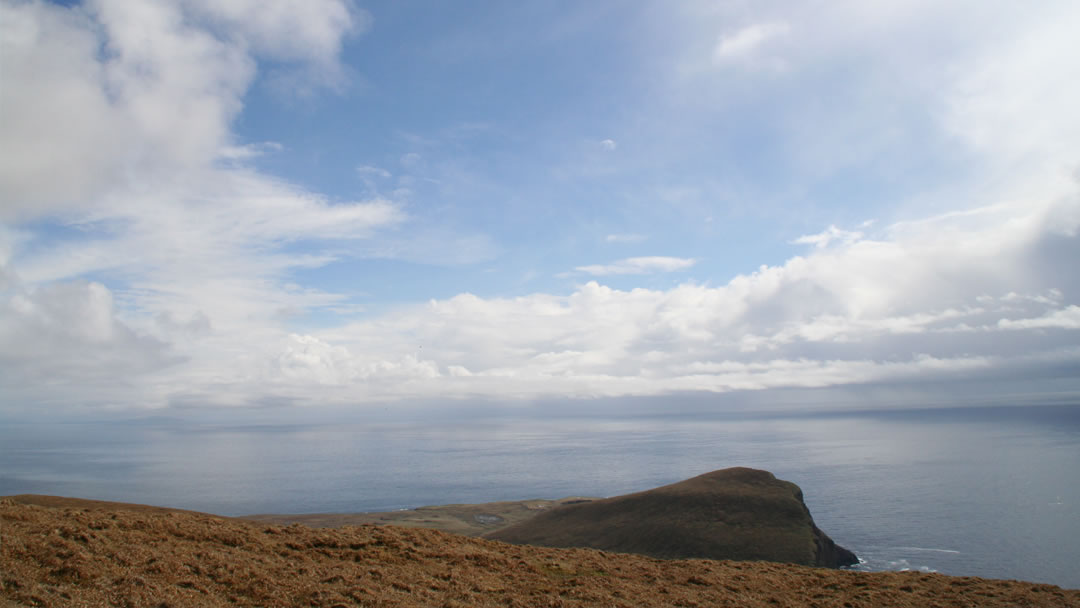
x=470, y=520
x=738, y=513
x=105, y=556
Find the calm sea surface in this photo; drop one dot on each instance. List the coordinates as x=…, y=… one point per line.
x=991, y=492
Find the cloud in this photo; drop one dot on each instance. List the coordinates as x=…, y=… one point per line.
x=248, y=151
x=625, y=238
x=303, y=40
x=366, y=170
x=1012, y=104
x=747, y=41
x=66, y=339
x=223, y=221
x=638, y=265
x=1066, y=318
x=309, y=359
x=608, y=144
x=929, y=301
x=120, y=91
x=157, y=249
x=144, y=262
x=829, y=235
x=72, y=125
x=310, y=32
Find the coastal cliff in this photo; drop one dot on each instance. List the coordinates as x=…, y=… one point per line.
x=737, y=513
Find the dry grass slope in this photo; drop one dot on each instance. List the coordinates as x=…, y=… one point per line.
x=99, y=555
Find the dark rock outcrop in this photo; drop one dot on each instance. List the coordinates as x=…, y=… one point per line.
x=738, y=513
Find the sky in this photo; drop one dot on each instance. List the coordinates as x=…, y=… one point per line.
x=249, y=204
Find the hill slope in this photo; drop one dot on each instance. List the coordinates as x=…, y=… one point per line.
x=737, y=513
x=107, y=557
x=466, y=519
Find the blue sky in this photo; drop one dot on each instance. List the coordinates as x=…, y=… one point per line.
x=234, y=204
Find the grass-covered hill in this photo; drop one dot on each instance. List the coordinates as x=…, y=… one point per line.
x=97, y=554
x=738, y=513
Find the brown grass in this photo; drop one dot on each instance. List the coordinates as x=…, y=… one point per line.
x=95, y=556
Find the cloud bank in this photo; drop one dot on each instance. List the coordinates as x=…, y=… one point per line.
x=146, y=263
x=917, y=303
x=922, y=303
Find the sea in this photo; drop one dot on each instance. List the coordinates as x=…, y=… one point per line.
x=974, y=491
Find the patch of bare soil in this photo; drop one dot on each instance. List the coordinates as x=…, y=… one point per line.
x=76, y=556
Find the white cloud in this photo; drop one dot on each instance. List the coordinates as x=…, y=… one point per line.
x=930, y=300
x=308, y=31
x=924, y=301
x=372, y=170
x=829, y=235
x=63, y=138
x=126, y=91
x=1016, y=102
x=221, y=222
x=625, y=238
x=248, y=151
x=747, y=41
x=117, y=119
x=306, y=359
x=608, y=144
x=638, y=265
x=1066, y=318
x=116, y=127
x=65, y=340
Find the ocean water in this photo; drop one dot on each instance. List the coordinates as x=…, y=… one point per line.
x=992, y=492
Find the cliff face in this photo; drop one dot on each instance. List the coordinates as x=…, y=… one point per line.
x=738, y=513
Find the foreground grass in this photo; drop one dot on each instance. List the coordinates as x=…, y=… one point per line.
x=111, y=556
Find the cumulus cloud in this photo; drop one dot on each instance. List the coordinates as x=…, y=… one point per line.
x=638, y=265
x=608, y=144
x=116, y=132
x=66, y=339
x=307, y=359
x=116, y=91
x=951, y=297
x=930, y=301
x=906, y=305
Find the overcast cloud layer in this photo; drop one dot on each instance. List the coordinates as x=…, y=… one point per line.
x=151, y=256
